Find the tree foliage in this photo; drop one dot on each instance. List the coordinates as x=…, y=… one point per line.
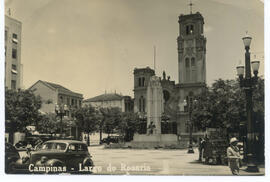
x=48, y=123
x=21, y=109
x=224, y=104
x=111, y=119
x=86, y=119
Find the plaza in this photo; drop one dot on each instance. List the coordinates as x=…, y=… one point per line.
x=160, y=162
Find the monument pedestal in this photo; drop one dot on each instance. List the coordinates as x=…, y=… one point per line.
x=155, y=141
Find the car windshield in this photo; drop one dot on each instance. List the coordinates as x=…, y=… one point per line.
x=53, y=146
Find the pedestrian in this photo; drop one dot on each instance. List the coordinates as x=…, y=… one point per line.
x=201, y=148
x=28, y=148
x=233, y=155
x=151, y=128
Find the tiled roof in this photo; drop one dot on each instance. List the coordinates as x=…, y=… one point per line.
x=105, y=97
x=62, y=89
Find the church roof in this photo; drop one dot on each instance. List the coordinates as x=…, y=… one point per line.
x=144, y=70
x=105, y=97
x=193, y=16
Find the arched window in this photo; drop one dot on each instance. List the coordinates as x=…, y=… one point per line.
x=187, y=65
x=192, y=61
x=187, y=30
x=143, y=81
x=193, y=70
x=191, y=29
x=187, y=62
x=141, y=104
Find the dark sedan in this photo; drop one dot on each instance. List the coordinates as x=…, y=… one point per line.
x=57, y=156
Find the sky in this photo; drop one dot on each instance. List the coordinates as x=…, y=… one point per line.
x=90, y=46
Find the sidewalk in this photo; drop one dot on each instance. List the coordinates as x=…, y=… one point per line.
x=261, y=172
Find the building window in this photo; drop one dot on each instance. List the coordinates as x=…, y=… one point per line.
x=14, y=69
x=72, y=102
x=193, y=71
x=187, y=62
x=139, y=82
x=143, y=81
x=6, y=35
x=5, y=50
x=140, y=109
x=14, y=53
x=192, y=61
x=142, y=104
x=14, y=38
x=189, y=29
x=13, y=84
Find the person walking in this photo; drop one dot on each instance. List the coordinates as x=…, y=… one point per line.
x=233, y=155
x=28, y=148
x=201, y=148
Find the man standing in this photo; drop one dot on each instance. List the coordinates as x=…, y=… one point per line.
x=233, y=155
x=201, y=148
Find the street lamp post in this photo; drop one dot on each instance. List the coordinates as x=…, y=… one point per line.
x=247, y=83
x=60, y=111
x=189, y=104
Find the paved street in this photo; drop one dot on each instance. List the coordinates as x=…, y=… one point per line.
x=154, y=162
x=161, y=162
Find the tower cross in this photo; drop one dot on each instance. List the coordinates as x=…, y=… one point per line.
x=190, y=4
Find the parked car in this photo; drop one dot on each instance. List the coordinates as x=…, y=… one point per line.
x=112, y=139
x=11, y=156
x=21, y=145
x=66, y=156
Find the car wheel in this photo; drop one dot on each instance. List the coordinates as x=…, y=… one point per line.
x=10, y=168
x=88, y=162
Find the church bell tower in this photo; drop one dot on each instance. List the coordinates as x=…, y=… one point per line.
x=191, y=50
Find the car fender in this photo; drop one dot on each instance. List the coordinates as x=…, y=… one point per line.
x=88, y=162
x=55, y=162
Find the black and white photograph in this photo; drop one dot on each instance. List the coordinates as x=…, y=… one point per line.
x=133, y=87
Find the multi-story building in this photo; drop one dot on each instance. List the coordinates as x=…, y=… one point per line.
x=13, y=66
x=125, y=103
x=54, y=94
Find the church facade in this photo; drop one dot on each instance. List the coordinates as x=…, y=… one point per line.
x=191, y=76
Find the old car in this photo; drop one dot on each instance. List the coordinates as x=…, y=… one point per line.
x=112, y=139
x=21, y=145
x=11, y=156
x=56, y=156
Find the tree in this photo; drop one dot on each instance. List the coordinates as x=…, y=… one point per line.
x=111, y=118
x=48, y=124
x=129, y=125
x=21, y=110
x=87, y=120
x=224, y=105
